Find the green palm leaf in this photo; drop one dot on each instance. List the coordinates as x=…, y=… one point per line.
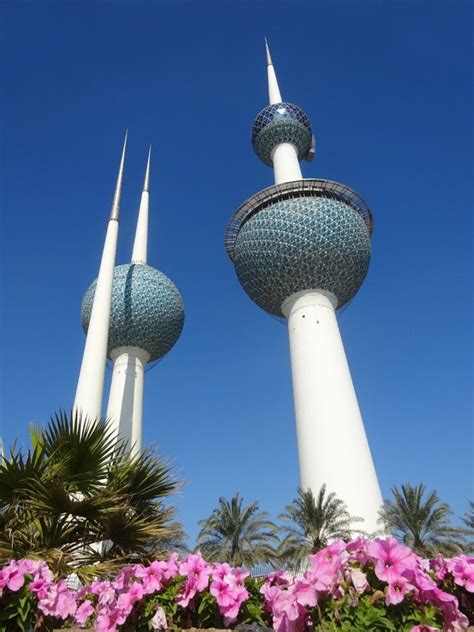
x=421, y=521
x=242, y=536
x=311, y=523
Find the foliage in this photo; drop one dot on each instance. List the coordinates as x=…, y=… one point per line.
x=311, y=524
x=80, y=500
x=238, y=535
x=423, y=523
x=361, y=585
x=468, y=518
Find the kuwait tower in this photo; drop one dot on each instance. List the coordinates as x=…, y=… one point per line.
x=146, y=316
x=301, y=250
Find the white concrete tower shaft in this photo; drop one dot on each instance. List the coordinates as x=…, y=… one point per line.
x=285, y=155
x=90, y=385
x=332, y=443
x=125, y=407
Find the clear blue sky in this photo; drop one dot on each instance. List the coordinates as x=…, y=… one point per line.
x=388, y=88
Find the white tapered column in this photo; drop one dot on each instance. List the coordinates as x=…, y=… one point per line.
x=125, y=408
x=140, y=245
x=90, y=385
x=332, y=443
x=286, y=165
x=285, y=157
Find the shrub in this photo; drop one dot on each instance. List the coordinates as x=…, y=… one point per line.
x=356, y=586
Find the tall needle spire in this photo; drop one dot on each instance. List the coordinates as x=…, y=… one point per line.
x=139, y=254
x=274, y=94
x=115, y=211
x=90, y=385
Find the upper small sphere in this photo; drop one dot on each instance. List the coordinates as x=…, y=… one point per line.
x=147, y=310
x=300, y=244
x=281, y=123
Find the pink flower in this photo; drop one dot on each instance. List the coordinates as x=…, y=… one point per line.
x=65, y=605
x=306, y=593
x=358, y=579
x=58, y=601
x=270, y=593
x=357, y=550
x=197, y=571
x=188, y=592
x=105, y=591
x=12, y=576
x=391, y=558
x=438, y=564
x=126, y=574
x=159, y=620
x=454, y=620
x=220, y=570
x=193, y=565
x=84, y=612
x=397, y=590
x=278, y=578
x=152, y=577
x=288, y=614
x=170, y=568
x=127, y=600
x=335, y=553
x=462, y=569
x=228, y=589
x=323, y=574
x=423, y=628
x=108, y=620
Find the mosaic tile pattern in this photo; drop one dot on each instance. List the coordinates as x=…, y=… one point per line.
x=299, y=244
x=280, y=123
x=147, y=310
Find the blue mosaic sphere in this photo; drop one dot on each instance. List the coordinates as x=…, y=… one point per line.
x=147, y=310
x=300, y=244
x=281, y=123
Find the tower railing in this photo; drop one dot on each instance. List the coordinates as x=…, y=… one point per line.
x=309, y=187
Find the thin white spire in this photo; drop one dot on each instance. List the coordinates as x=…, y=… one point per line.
x=90, y=385
x=146, y=182
x=115, y=211
x=274, y=94
x=140, y=245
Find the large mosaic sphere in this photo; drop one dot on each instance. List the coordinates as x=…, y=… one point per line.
x=147, y=310
x=300, y=244
x=281, y=123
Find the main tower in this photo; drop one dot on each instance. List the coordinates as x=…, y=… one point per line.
x=301, y=250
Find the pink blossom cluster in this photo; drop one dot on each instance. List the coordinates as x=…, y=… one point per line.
x=229, y=590
x=342, y=569
x=340, y=565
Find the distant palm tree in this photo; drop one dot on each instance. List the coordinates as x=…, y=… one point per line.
x=242, y=536
x=423, y=523
x=76, y=487
x=312, y=522
x=468, y=518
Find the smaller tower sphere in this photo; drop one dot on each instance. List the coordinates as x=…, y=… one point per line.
x=281, y=123
x=300, y=244
x=147, y=310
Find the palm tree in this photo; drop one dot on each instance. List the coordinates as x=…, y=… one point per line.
x=77, y=487
x=312, y=522
x=242, y=536
x=468, y=518
x=423, y=523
